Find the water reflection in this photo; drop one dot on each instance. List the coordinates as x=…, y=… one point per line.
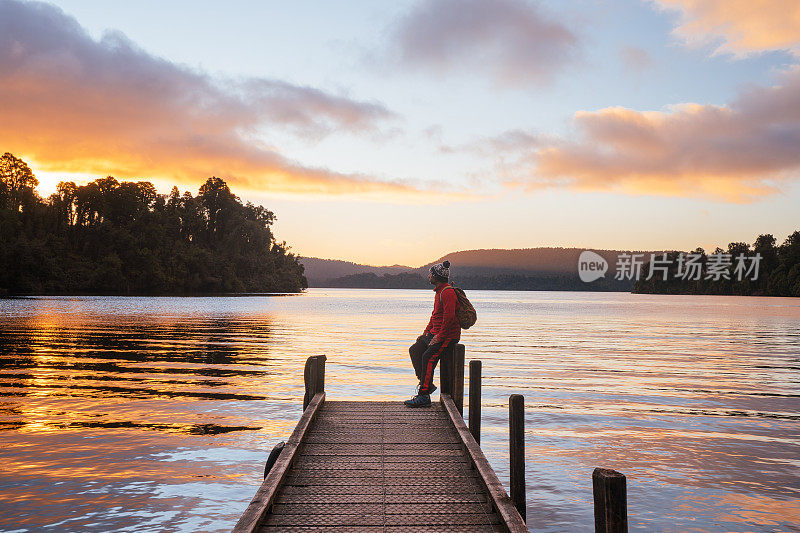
x=153, y=414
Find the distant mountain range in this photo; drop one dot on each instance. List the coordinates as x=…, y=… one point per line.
x=517, y=269
x=319, y=271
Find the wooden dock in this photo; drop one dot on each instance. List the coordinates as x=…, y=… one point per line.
x=381, y=467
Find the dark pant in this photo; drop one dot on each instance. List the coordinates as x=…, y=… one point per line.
x=424, y=357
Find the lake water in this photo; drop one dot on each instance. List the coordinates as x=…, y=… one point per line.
x=157, y=414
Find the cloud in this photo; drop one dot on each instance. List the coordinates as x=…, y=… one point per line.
x=513, y=140
x=74, y=104
x=743, y=27
x=509, y=38
x=739, y=152
x=635, y=58
x=311, y=111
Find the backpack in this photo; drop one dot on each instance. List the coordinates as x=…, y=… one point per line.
x=465, y=312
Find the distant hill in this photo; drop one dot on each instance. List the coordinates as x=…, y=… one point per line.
x=319, y=271
x=528, y=260
x=495, y=269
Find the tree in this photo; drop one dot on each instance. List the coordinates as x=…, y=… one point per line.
x=63, y=203
x=122, y=237
x=18, y=183
x=214, y=197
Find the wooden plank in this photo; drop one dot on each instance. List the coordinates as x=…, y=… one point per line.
x=407, y=499
x=351, y=507
x=368, y=461
x=443, y=519
x=254, y=514
x=447, y=528
x=321, y=529
x=391, y=449
x=381, y=529
x=497, y=493
x=433, y=489
x=354, y=478
x=380, y=466
x=379, y=519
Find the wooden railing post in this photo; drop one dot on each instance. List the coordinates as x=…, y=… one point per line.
x=458, y=378
x=320, y=386
x=610, y=501
x=516, y=437
x=475, y=400
x=273, y=457
x=313, y=378
x=446, y=373
x=309, y=380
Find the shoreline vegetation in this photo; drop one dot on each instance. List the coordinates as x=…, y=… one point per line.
x=778, y=271
x=123, y=238
x=539, y=281
x=523, y=269
x=555, y=269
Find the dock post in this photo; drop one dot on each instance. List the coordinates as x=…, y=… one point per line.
x=475, y=400
x=458, y=378
x=273, y=457
x=309, y=380
x=446, y=374
x=610, y=501
x=320, y=386
x=516, y=437
x=313, y=377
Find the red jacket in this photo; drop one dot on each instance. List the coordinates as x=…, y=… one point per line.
x=443, y=323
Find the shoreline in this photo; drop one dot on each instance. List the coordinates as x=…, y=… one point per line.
x=8, y=296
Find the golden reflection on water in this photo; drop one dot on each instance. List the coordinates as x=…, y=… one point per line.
x=112, y=409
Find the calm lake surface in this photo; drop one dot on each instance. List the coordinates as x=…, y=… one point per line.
x=157, y=414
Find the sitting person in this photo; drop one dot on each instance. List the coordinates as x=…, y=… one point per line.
x=440, y=337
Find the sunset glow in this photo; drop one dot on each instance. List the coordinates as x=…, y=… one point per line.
x=364, y=128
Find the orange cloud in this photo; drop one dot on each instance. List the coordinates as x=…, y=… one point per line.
x=69, y=103
x=739, y=152
x=744, y=26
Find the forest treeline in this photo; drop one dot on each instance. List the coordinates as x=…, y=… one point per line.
x=528, y=269
x=122, y=237
x=777, y=272
x=537, y=281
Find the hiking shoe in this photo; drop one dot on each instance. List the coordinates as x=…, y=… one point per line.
x=416, y=393
x=431, y=391
x=420, y=400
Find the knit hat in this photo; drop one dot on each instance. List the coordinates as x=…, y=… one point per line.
x=441, y=270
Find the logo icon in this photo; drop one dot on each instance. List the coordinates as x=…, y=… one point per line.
x=591, y=266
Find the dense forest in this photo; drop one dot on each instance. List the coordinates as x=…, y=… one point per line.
x=121, y=237
x=319, y=271
x=527, y=269
x=734, y=271
x=777, y=272
x=538, y=281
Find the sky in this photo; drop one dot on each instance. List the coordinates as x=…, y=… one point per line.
x=396, y=132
